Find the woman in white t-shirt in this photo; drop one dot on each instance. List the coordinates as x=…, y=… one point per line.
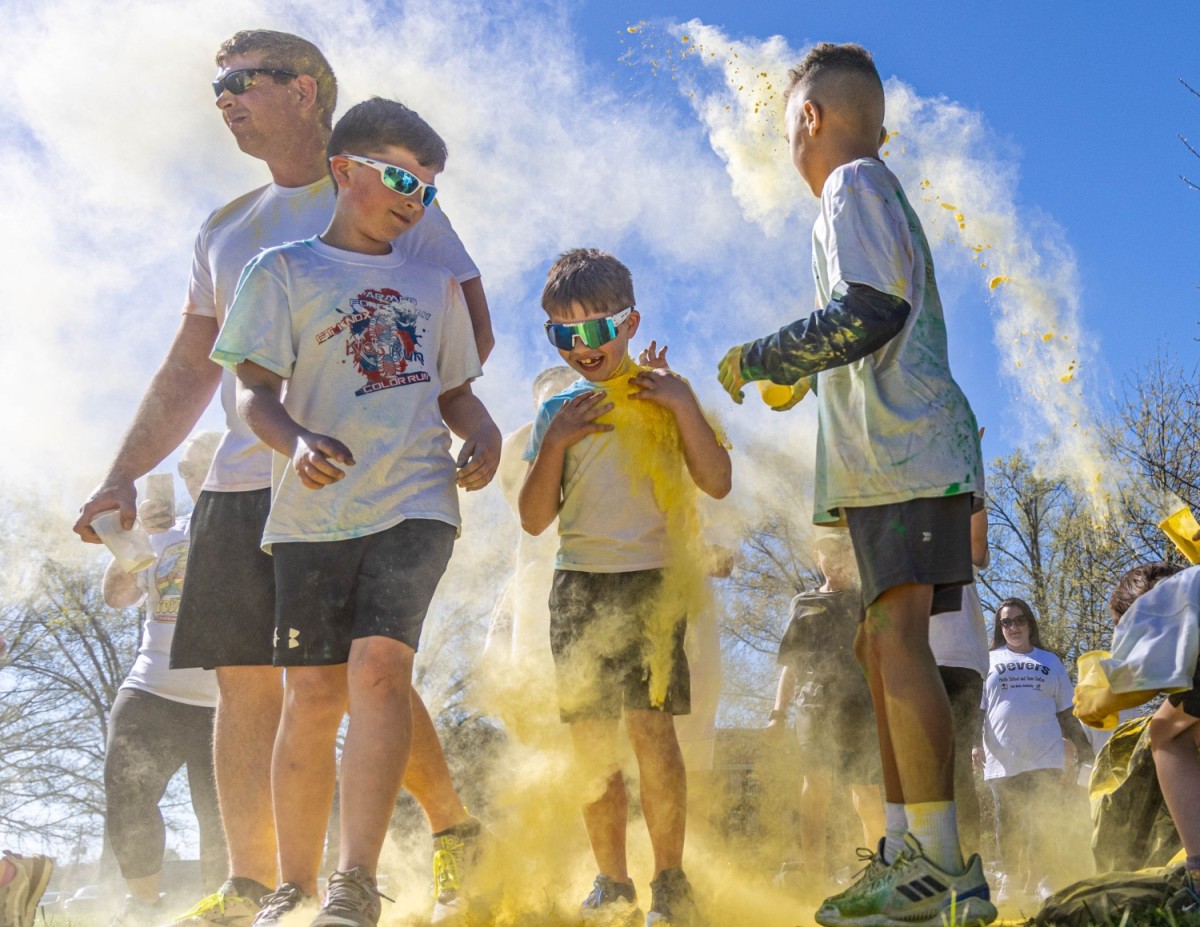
x=1027, y=700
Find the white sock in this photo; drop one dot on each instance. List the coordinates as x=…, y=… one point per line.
x=935, y=825
x=896, y=822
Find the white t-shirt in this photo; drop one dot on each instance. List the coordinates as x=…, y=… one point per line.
x=235, y=233
x=960, y=638
x=367, y=344
x=162, y=585
x=610, y=521
x=1156, y=643
x=894, y=425
x=1022, y=696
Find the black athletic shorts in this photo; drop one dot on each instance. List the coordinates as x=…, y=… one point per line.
x=332, y=592
x=600, y=630
x=924, y=541
x=227, y=611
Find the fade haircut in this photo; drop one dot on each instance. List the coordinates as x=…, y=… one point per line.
x=1035, y=635
x=287, y=52
x=593, y=279
x=826, y=58
x=377, y=123
x=1136, y=583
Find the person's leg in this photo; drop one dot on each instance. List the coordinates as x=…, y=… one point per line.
x=1175, y=740
x=428, y=776
x=868, y=805
x=248, y=708
x=1008, y=794
x=964, y=688
x=908, y=693
x=202, y=785
x=814, y=823
x=606, y=805
x=663, y=784
x=303, y=769
x=140, y=758
x=376, y=751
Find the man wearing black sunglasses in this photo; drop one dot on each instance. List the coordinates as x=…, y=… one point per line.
x=276, y=93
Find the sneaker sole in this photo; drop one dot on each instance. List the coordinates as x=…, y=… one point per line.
x=971, y=912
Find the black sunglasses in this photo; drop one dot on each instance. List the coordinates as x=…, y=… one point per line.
x=1014, y=622
x=239, y=81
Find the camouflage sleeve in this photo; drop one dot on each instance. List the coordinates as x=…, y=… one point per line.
x=849, y=328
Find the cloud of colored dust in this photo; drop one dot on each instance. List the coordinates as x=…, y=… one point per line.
x=965, y=188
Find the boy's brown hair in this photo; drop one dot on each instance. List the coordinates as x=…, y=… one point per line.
x=827, y=58
x=376, y=123
x=286, y=52
x=1136, y=583
x=591, y=278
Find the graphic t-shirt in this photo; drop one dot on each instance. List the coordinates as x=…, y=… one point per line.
x=367, y=344
x=1022, y=695
x=819, y=645
x=162, y=585
x=611, y=520
x=894, y=425
x=1157, y=642
x=236, y=233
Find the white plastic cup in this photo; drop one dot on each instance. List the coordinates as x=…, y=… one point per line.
x=131, y=548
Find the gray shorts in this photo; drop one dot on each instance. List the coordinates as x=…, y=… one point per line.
x=331, y=593
x=601, y=645
x=923, y=541
x=227, y=610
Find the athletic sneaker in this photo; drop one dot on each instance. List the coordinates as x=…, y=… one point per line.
x=913, y=892
x=611, y=904
x=454, y=853
x=671, y=902
x=279, y=903
x=20, y=896
x=224, y=908
x=138, y=913
x=351, y=900
x=1187, y=899
x=874, y=865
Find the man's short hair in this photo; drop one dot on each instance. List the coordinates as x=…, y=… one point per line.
x=287, y=52
x=591, y=278
x=1136, y=583
x=377, y=123
x=827, y=58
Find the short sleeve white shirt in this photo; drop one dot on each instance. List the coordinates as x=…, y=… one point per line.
x=236, y=233
x=367, y=344
x=162, y=585
x=1022, y=696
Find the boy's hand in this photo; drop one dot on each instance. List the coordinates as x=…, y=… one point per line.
x=729, y=372
x=314, y=459
x=661, y=386
x=478, y=459
x=652, y=357
x=1093, y=705
x=155, y=515
x=577, y=418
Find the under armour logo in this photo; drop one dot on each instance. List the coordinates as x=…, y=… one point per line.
x=926, y=536
x=293, y=639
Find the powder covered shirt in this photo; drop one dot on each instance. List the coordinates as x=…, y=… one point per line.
x=1157, y=642
x=162, y=585
x=893, y=425
x=242, y=229
x=367, y=344
x=611, y=520
x=1022, y=696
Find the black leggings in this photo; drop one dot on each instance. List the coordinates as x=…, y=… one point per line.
x=149, y=739
x=1027, y=807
